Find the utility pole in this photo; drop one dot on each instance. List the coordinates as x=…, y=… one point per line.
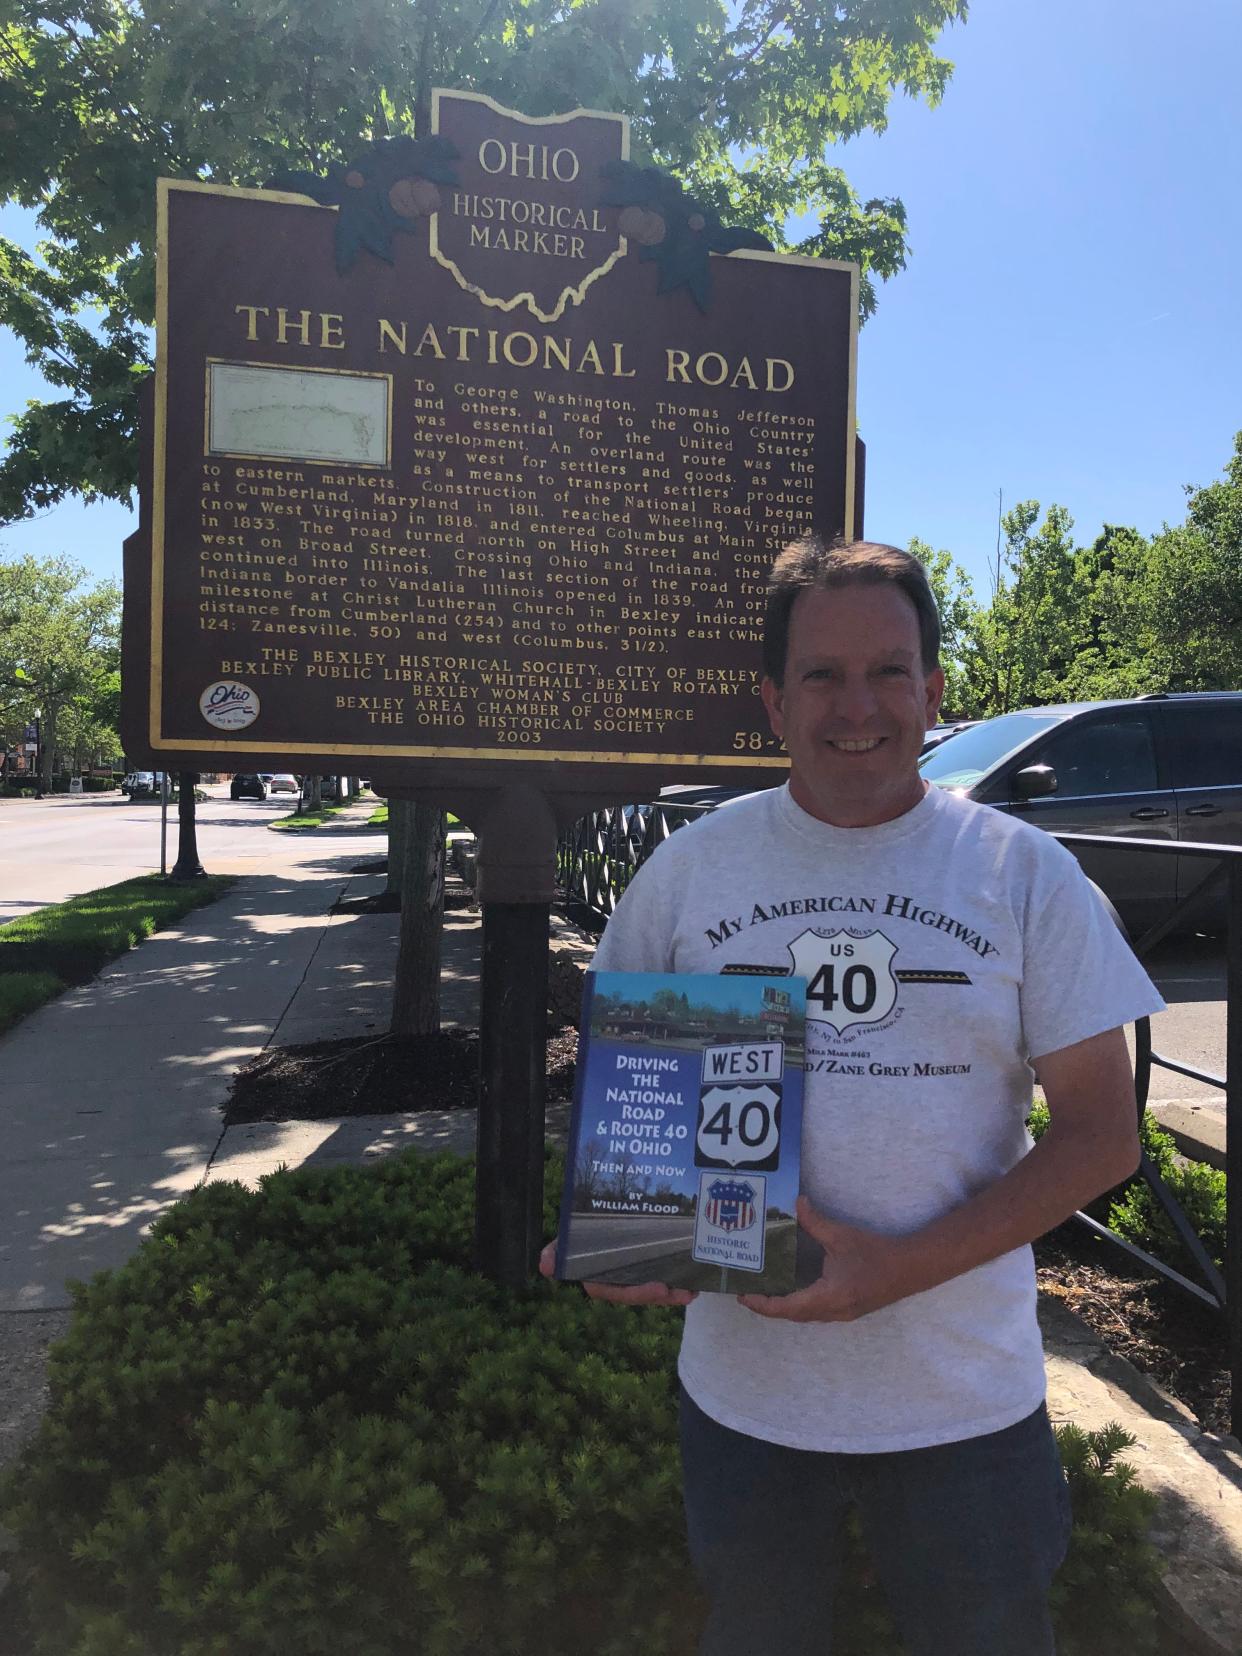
x=187, y=866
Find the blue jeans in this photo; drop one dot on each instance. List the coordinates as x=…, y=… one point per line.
x=965, y=1538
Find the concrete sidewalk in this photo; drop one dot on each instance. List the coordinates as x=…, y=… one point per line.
x=112, y=1093
x=111, y=1111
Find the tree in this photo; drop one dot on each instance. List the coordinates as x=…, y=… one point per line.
x=955, y=601
x=59, y=647
x=99, y=97
x=1191, y=599
x=1022, y=646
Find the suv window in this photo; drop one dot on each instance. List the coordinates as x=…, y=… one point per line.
x=1206, y=744
x=1104, y=756
x=960, y=763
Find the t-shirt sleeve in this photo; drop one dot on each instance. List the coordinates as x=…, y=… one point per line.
x=1080, y=976
x=639, y=934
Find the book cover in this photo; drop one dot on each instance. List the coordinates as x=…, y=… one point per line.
x=683, y=1155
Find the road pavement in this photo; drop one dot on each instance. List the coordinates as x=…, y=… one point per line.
x=51, y=849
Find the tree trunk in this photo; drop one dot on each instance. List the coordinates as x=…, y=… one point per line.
x=47, y=745
x=416, y=990
x=398, y=829
x=315, y=802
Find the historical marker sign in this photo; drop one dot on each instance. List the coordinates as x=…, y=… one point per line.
x=475, y=464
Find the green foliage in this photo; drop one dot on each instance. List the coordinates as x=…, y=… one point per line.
x=297, y=1421
x=100, y=97
x=1124, y=617
x=59, y=655
x=1102, y=1597
x=21, y=992
x=1192, y=595
x=1199, y=1191
x=73, y=940
x=954, y=597
x=1137, y=1215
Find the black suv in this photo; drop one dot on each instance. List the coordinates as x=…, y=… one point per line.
x=248, y=786
x=1160, y=767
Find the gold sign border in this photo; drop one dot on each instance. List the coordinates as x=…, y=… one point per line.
x=379, y=752
x=574, y=294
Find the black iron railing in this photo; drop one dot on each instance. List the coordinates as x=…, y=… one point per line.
x=599, y=856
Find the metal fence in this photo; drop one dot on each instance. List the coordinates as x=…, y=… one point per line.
x=599, y=856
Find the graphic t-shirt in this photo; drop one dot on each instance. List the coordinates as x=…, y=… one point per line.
x=942, y=951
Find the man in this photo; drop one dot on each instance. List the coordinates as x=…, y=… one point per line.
x=949, y=950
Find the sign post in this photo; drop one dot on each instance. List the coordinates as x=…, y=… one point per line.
x=469, y=461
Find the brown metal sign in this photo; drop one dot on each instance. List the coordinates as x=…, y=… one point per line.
x=517, y=229
x=445, y=504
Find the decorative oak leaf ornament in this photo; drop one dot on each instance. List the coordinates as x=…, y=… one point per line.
x=385, y=189
x=671, y=228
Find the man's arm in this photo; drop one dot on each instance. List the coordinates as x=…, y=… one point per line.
x=1091, y=1145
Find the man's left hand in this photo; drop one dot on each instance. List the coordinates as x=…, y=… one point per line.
x=862, y=1272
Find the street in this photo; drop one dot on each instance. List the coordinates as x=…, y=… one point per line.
x=51, y=849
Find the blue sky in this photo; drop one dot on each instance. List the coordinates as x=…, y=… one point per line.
x=1069, y=327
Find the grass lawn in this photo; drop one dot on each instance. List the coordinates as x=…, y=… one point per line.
x=300, y=822
x=21, y=992
x=43, y=953
x=379, y=817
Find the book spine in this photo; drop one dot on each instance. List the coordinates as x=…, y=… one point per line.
x=575, y=1124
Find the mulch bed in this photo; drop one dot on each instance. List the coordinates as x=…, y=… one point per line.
x=389, y=902
x=381, y=1075
x=1177, y=1341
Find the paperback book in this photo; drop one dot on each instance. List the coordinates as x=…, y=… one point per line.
x=684, y=1145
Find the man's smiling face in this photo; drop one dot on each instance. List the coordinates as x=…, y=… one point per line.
x=855, y=705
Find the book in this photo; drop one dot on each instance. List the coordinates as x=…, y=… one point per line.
x=684, y=1143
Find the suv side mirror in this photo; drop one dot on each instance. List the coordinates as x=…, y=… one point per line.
x=1035, y=782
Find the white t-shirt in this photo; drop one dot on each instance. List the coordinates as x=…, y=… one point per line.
x=942, y=951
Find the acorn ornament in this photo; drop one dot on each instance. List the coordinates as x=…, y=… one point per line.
x=414, y=198
x=639, y=224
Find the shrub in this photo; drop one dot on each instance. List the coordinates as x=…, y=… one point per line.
x=1102, y=1598
x=296, y=1421
x=1137, y=1214
x=1199, y=1191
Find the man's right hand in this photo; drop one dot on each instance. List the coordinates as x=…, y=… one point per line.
x=641, y=1293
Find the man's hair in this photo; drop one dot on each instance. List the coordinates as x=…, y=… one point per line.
x=810, y=565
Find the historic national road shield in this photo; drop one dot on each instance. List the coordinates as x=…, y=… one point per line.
x=525, y=226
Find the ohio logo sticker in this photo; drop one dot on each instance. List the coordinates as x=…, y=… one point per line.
x=229, y=705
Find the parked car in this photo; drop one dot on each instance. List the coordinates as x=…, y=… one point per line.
x=282, y=782
x=1163, y=767
x=249, y=786
x=941, y=733
x=140, y=783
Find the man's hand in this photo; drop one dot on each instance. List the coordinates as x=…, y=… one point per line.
x=642, y=1293
x=862, y=1272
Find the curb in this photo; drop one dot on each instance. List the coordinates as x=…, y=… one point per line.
x=1197, y=1129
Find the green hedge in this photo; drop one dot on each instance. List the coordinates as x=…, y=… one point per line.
x=1137, y=1215
x=296, y=1421
x=73, y=940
